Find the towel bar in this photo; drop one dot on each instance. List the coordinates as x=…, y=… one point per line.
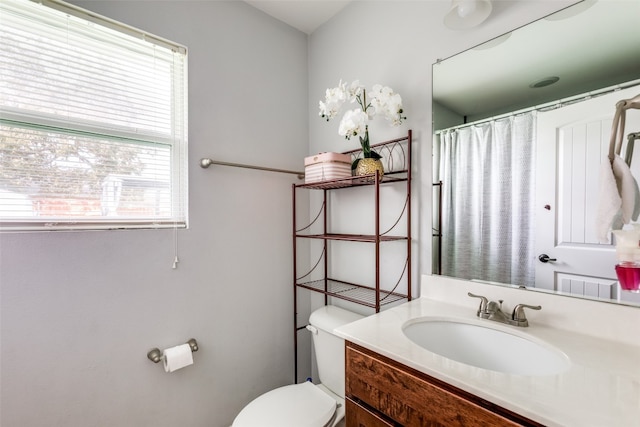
x=205, y=163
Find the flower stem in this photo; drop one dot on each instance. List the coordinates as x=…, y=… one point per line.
x=364, y=142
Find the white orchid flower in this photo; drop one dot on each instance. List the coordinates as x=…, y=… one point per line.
x=354, y=123
x=333, y=101
x=355, y=91
x=384, y=100
x=380, y=100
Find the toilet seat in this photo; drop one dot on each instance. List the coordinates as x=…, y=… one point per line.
x=299, y=405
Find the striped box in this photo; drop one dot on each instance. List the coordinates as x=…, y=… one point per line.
x=326, y=166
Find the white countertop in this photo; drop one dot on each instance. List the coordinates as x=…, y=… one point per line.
x=601, y=388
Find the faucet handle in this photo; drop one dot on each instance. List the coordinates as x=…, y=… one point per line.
x=483, y=303
x=519, y=316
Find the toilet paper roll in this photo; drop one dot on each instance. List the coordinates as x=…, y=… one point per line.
x=177, y=357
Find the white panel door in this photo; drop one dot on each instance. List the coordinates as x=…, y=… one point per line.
x=572, y=142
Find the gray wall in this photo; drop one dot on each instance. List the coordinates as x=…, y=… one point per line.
x=395, y=43
x=80, y=310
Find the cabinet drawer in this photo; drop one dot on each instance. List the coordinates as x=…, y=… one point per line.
x=357, y=416
x=412, y=398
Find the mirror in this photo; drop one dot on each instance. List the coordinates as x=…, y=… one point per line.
x=586, y=51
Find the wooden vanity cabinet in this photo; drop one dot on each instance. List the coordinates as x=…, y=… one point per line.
x=359, y=416
x=382, y=392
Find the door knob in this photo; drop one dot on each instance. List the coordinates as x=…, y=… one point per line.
x=545, y=258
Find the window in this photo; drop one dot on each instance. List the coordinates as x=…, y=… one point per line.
x=93, y=122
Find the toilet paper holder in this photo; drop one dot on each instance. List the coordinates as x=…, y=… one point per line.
x=155, y=354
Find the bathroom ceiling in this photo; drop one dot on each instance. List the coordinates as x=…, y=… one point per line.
x=305, y=15
x=548, y=48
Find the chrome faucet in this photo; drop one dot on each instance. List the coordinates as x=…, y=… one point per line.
x=492, y=310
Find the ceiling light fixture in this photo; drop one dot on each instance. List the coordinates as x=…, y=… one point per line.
x=466, y=14
x=547, y=81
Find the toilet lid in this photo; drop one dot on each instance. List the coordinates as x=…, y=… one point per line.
x=300, y=405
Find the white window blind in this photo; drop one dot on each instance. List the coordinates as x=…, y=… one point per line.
x=93, y=122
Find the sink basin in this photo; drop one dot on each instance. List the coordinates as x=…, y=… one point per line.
x=487, y=348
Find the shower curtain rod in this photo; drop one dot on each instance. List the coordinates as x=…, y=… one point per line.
x=548, y=106
x=206, y=162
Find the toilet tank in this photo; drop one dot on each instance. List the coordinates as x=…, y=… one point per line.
x=329, y=348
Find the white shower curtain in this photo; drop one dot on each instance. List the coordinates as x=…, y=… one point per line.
x=487, y=174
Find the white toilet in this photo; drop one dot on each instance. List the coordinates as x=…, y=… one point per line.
x=307, y=404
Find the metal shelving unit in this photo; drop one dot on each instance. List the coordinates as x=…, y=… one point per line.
x=396, y=155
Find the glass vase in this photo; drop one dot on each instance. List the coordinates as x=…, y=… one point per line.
x=629, y=276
